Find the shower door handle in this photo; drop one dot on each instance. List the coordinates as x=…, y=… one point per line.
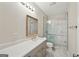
x=76, y=27
x=71, y=27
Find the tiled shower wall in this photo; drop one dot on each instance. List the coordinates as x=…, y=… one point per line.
x=57, y=30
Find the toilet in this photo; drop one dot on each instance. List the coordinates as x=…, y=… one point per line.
x=49, y=45
x=49, y=49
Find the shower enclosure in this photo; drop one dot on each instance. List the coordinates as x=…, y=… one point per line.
x=55, y=30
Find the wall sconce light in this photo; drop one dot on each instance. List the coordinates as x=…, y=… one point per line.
x=23, y=3
x=28, y=6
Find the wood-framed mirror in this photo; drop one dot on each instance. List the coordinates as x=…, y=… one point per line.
x=31, y=26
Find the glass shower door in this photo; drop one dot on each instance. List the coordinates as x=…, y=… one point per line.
x=50, y=33
x=57, y=32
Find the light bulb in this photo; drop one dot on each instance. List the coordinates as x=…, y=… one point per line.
x=33, y=9
x=27, y=5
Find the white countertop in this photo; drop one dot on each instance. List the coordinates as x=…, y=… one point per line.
x=22, y=48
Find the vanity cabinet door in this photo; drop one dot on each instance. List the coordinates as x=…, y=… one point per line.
x=44, y=49
x=44, y=52
x=39, y=53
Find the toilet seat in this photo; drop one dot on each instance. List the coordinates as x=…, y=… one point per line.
x=49, y=44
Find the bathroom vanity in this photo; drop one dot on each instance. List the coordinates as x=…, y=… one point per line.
x=38, y=51
x=28, y=48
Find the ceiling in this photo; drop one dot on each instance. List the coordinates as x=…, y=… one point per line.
x=52, y=8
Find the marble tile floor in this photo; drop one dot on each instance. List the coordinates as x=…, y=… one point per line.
x=58, y=51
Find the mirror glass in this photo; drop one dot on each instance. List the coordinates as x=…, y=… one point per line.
x=31, y=26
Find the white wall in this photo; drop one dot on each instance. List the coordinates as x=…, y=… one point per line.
x=78, y=28
x=72, y=31
x=13, y=21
